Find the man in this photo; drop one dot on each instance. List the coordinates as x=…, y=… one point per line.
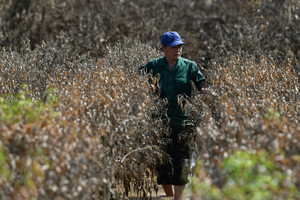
x=175, y=75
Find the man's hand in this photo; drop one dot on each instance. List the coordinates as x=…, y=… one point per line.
x=202, y=91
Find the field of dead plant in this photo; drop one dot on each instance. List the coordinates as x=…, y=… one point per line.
x=77, y=120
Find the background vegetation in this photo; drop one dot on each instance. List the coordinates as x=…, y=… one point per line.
x=78, y=122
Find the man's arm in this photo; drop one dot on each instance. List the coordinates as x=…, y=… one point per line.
x=148, y=68
x=198, y=78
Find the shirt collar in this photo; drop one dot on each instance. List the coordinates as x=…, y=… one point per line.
x=177, y=65
x=179, y=62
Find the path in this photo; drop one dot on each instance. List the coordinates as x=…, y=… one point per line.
x=161, y=195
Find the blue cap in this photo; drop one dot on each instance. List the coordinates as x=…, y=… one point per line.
x=171, y=39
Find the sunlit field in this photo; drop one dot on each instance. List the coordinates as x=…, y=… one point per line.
x=78, y=120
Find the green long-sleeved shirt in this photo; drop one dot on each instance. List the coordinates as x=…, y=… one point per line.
x=174, y=82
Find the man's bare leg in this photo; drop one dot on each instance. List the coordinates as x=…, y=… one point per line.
x=178, y=192
x=168, y=190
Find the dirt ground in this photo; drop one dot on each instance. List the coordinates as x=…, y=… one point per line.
x=161, y=195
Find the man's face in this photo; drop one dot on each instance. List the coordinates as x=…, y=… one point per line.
x=172, y=53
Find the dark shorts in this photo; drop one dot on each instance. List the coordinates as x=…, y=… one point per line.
x=174, y=167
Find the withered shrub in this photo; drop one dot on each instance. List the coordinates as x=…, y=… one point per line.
x=101, y=141
x=211, y=28
x=252, y=105
x=102, y=137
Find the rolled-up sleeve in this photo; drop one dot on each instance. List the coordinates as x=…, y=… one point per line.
x=197, y=77
x=146, y=68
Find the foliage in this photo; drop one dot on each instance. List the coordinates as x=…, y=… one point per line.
x=87, y=126
x=4, y=171
x=19, y=107
x=246, y=176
